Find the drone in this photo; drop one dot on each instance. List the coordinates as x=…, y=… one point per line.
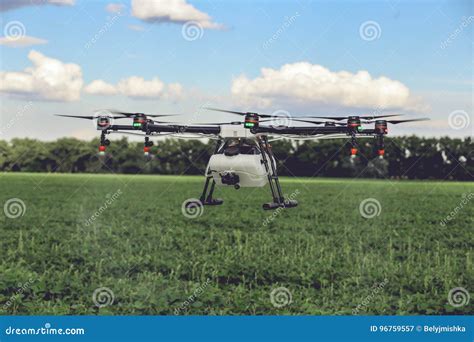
x=243, y=154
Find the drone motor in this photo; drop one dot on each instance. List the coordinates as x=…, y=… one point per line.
x=251, y=120
x=139, y=120
x=354, y=123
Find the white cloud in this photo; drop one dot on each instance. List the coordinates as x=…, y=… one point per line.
x=306, y=83
x=100, y=87
x=48, y=79
x=174, y=11
x=115, y=8
x=174, y=91
x=6, y=5
x=21, y=41
x=139, y=87
x=136, y=87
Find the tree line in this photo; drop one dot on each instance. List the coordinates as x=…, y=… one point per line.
x=408, y=157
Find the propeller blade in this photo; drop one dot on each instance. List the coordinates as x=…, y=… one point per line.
x=225, y=111
x=128, y=114
x=219, y=123
x=365, y=117
x=259, y=114
x=309, y=121
x=160, y=115
x=369, y=117
x=77, y=116
x=91, y=117
x=337, y=118
x=394, y=122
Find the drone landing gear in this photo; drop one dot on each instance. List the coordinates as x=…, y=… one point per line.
x=284, y=204
x=278, y=200
x=206, y=198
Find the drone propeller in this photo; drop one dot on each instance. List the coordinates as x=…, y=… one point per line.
x=310, y=121
x=219, y=123
x=91, y=117
x=395, y=122
x=266, y=120
x=365, y=117
x=128, y=114
x=259, y=114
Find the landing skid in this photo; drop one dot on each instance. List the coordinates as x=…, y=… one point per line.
x=214, y=201
x=284, y=204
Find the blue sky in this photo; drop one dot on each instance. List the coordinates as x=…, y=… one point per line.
x=424, y=45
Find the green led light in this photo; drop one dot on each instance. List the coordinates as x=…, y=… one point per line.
x=359, y=128
x=249, y=124
x=137, y=124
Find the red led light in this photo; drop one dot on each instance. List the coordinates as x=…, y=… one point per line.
x=353, y=151
x=102, y=148
x=381, y=152
x=146, y=149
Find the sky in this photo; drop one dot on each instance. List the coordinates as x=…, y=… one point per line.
x=301, y=57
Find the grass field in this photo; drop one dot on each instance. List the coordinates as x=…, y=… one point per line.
x=234, y=258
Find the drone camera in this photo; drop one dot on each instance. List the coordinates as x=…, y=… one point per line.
x=230, y=178
x=251, y=120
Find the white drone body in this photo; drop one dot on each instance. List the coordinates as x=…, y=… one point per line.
x=238, y=166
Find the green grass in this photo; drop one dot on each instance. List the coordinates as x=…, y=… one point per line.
x=153, y=258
